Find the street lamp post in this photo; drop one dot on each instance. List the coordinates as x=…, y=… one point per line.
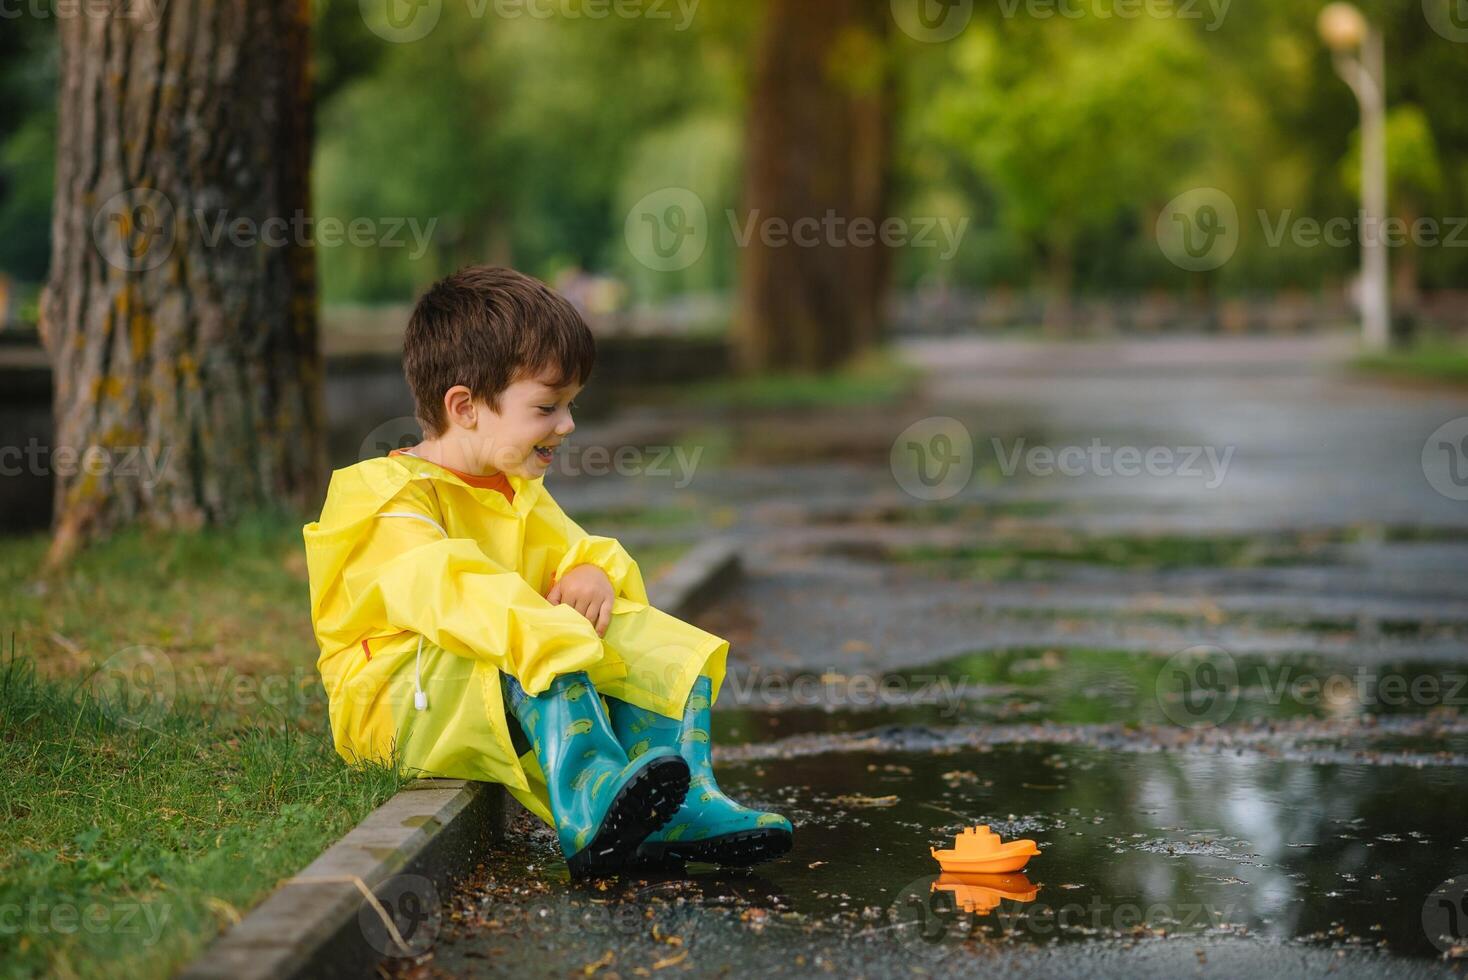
x=1356, y=49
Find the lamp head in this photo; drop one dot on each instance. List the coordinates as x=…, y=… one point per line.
x=1342, y=27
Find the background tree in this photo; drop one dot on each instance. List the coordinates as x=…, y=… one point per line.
x=527, y=140
x=1026, y=97
x=167, y=343
x=27, y=141
x=818, y=142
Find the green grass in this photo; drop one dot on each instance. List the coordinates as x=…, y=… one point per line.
x=874, y=379
x=157, y=822
x=1028, y=558
x=1436, y=361
x=223, y=601
x=656, y=559
x=131, y=841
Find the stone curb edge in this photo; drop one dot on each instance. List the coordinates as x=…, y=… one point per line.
x=319, y=923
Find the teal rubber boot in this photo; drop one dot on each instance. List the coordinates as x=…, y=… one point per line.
x=708, y=826
x=604, y=804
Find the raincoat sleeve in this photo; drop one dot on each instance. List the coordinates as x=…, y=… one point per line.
x=409, y=574
x=571, y=546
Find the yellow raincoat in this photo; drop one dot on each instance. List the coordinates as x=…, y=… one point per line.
x=424, y=588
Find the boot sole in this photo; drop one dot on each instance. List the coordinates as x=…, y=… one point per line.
x=739, y=849
x=649, y=800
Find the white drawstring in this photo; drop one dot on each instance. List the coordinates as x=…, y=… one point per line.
x=420, y=696
x=418, y=517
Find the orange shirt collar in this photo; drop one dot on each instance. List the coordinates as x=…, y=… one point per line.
x=495, y=481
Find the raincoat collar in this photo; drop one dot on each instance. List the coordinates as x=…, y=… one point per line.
x=526, y=490
x=359, y=492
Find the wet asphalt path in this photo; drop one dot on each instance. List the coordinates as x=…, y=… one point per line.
x=1227, y=702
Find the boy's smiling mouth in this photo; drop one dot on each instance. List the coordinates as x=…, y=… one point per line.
x=545, y=453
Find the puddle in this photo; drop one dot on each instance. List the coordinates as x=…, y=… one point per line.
x=1071, y=686
x=1135, y=848
x=1182, y=843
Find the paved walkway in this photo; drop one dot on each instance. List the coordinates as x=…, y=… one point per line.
x=1181, y=682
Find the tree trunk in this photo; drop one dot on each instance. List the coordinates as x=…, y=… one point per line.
x=818, y=150
x=180, y=320
x=1059, y=273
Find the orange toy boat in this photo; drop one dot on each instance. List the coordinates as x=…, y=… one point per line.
x=977, y=850
x=981, y=894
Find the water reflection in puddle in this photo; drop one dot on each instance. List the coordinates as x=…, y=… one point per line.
x=1131, y=844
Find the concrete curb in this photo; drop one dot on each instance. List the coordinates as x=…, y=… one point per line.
x=706, y=570
x=375, y=894
x=405, y=853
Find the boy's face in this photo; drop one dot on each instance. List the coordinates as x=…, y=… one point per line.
x=534, y=417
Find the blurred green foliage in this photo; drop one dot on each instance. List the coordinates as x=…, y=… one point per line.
x=527, y=139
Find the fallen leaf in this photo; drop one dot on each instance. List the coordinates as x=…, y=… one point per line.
x=673, y=960
x=856, y=799
x=590, y=968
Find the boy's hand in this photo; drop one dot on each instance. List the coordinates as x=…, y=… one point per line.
x=587, y=590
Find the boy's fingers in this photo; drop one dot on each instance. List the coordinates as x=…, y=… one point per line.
x=604, y=618
x=554, y=595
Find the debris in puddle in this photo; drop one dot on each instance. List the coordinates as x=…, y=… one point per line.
x=858, y=800
x=592, y=967
x=673, y=960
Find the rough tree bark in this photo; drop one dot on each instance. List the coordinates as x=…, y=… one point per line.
x=180, y=321
x=818, y=146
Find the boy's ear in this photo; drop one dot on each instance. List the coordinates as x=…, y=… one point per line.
x=459, y=408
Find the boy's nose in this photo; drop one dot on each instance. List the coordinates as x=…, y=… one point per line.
x=567, y=427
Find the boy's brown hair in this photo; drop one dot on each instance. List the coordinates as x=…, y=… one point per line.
x=486, y=327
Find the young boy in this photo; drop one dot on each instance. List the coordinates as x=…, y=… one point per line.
x=449, y=591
